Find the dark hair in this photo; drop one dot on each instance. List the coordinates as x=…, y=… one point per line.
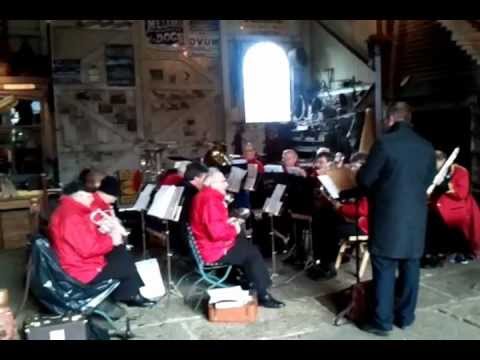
x=358, y=157
x=193, y=170
x=326, y=154
x=83, y=175
x=402, y=109
x=110, y=185
x=73, y=187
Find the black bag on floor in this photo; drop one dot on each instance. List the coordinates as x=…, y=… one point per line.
x=57, y=291
x=360, y=301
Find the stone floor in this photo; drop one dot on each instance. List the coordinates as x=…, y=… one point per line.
x=449, y=308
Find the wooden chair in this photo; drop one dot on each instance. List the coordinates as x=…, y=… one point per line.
x=360, y=244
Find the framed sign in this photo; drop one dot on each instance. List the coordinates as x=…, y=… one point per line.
x=204, y=37
x=264, y=27
x=120, y=67
x=67, y=71
x=165, y=33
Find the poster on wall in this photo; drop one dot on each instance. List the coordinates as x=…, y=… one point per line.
x=204, y=37
x=67, y=71
x=264, y=27
x=165, y=33
x=120, y=67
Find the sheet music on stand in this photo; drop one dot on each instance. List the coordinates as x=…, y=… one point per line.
x=144, y=198
x=330, y=186
x=274, y=204
x=166, y=204
x=252, y=172
x=235, y=179
x=274, y=168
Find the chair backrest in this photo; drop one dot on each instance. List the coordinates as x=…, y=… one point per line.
x=56, y=290
x=194, y=249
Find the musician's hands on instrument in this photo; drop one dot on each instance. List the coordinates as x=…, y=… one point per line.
x=237, y=223
x=117, y=238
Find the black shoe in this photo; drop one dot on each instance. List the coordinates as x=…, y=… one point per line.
x=268, y=301
x=318, y=273
x=114, y=311
x=402, y=326
x=294, y=261
x=431, y=262
x=374, y=330
x=139, y=301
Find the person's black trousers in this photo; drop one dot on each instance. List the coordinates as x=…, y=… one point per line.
x=121, y=266
x=395, y=298
x=328, y=230
x=249, y=258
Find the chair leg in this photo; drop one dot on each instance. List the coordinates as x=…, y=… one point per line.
x=184, y=277
x=343, y=248
x=192, y=288
x=216, y=281
x=365, y=259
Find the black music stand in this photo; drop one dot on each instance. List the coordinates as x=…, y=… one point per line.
x=272, y=208
x=140, y=206
x=166, y=206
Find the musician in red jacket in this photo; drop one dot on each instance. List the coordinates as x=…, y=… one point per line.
x=88, y=254
x=337, y=221
x=219, y=238
x=250, y=154
x=457, y=207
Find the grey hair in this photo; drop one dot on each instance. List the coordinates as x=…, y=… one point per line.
x=212, y=172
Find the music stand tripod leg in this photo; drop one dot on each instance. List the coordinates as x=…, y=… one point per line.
x=274, y=252
x=172, y=288
x=144, y=236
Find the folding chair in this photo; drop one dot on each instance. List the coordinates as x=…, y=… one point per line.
x=362, y=253
x=206, y=272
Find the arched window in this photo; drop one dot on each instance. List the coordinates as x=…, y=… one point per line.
x=266, y=84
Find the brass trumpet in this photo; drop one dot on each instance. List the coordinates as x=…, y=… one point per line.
x=107, y=223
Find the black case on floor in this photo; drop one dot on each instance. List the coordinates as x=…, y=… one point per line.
x=65, y=327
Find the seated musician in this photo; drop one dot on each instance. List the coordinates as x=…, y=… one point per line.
x=290, y=163
x=87, y=252
x=250, y=154
x=192, y=181
x=455, y=205
x=88, y=178
x=339, y=159
x=220, y=240
x=334, y=221
x=173, y=177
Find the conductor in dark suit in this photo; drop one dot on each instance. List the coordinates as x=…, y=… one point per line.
x=398, y=171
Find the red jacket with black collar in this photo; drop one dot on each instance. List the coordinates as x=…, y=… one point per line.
x=213, y=234
x=78, y=243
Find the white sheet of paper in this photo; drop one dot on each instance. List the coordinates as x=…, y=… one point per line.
x=57, y=334
x=235, y=179
x=149, y=271
x=330, y=186
x=274, y=168
x=233, y=294
x=252, y=172
x=160, y=203
x=144, y=198
x=278, y=192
